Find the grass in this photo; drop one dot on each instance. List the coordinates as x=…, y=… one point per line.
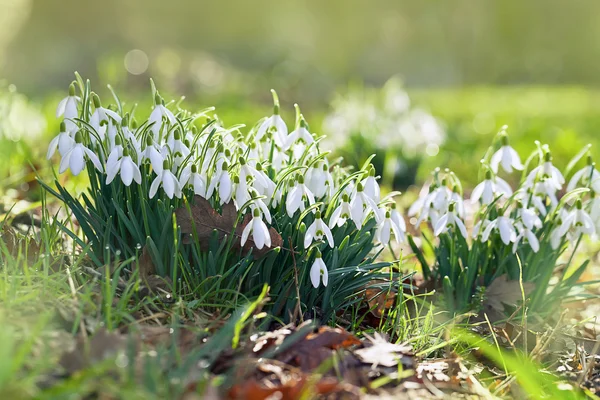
x=53, y=301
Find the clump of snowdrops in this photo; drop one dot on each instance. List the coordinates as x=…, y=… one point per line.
x=330, y=221
x=528, y=234
x=383, y=121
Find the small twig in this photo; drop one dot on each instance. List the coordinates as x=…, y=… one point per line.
x=590, y=365
x=298, y=309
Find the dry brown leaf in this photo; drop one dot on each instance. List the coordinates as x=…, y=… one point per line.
x=294, y=388
x=504, y=291
x=206, y=220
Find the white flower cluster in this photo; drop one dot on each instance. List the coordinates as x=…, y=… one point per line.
x=265, y=172
x=517, y=216
x=385, y=118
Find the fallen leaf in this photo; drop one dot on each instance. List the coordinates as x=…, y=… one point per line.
x=295, y=387
x=202, y=219
x=504, y=291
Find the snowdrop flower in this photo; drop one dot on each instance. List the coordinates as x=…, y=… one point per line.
x=341, y=213
x=398, y=219
x=490, y=188
x=63, y=142
x=593, y=205
x=316, y=231
x=126, y=166
x=300, y=135
x=479, y=228
x=546, y=188
x=529, y=218
x=426, y=209
x=177, y=146
x=440, y=196
x=152, y=154
x=241, y=192
x=262, y=206
x=547, y=172
x=319, y=181
x=75, y=157
x=102, y=116
x=297, y=197
x=360, y=205
x=318, y=271
x=457, y=199
x=222, y=181
x=159, y=115
x=578, y=221
x=262, y=183
x=67, y=108
x=450, y=220
x=507, y=157
x=259, y=231
x=504, y=225
x=191, y=176
x=274, y=125
x=588, y=176
x=371, y=187
x=169, y=182
x=386, y=227
x=527, y=235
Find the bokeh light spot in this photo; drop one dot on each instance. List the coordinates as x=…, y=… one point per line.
x=136, y=62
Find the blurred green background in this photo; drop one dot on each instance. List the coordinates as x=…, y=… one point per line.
x=474, y=65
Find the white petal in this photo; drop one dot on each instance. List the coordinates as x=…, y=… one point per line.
x=127, y=170
x=112, y=170
x=258, y=233
x=94, y=158
x=77, y=161
x=52, y=147
x=495, y=160
x=506, y=159
x=315, y=273
x=246, y=233
x=64, y=162
x=154, y=186
x=440, y=226
x=60, y=110
x=328, y=235
x=477, y=192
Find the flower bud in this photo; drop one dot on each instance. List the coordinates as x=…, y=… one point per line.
x=72, y=89
x=96, y=100
x=166, y=164
x=63, y=127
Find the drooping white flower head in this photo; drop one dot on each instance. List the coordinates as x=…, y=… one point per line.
x=505, y=226
x=67, y=108
x=385, y=229
x=450, y=220
x=126, y=166
x=101, y=118
x=63, y=142
x=259, y=231
x=76, y=156
x=371, y=186
x=546, y=172
x=298, y=196
x=525, y=234
x=341, y=213
x=577, y=222
x=506, y=156
x=160, y=116
x=588, y=176
x=168, y=180
x=318, y=272
x=274, y=126
x=490, y=188
x=361, y=205
x=316, y=231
